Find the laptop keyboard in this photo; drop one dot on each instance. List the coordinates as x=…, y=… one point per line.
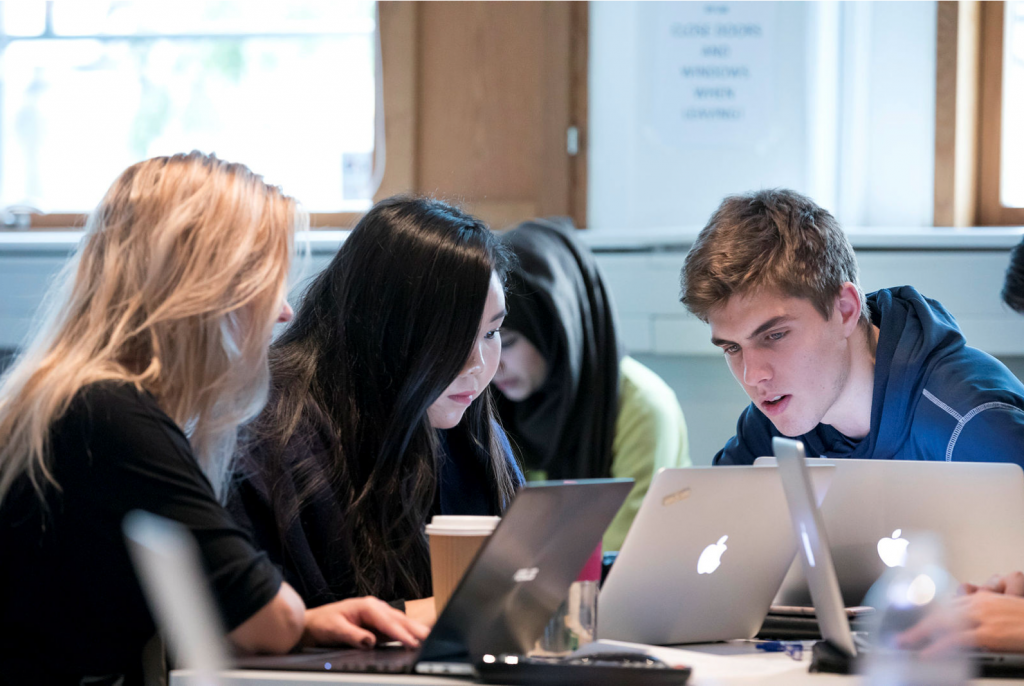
x=380, y=660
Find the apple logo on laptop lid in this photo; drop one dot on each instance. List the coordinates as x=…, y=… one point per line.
x=525, y=574
x=893, y=551
x=712, y=556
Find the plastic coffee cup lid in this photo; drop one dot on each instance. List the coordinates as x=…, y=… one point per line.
x=462, y=525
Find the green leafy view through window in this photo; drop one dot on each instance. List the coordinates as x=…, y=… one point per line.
x=91, y=87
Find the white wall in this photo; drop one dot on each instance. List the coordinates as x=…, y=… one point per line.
x=846, y=113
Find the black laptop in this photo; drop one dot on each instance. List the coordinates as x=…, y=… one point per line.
x=518, y=579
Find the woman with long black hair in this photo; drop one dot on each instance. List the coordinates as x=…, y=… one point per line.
x=379, y=415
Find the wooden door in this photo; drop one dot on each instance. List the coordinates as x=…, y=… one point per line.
x=486, y=119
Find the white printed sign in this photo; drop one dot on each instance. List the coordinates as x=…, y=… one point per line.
x=712, y=80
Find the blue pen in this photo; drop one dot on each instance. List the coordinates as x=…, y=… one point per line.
x=794, y=649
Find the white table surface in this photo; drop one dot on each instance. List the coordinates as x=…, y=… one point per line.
x=719, y=664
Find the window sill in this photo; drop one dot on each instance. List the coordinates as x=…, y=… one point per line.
x=866, y=238
x=666, y=239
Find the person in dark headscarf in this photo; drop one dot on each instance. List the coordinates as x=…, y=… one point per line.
x=573, y=403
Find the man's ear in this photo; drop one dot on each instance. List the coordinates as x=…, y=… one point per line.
x=848, y=307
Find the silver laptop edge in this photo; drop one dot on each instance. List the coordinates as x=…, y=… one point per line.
x=812, y=544
x=166, y=559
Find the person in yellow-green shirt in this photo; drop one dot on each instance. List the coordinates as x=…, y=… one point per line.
x=573, y=404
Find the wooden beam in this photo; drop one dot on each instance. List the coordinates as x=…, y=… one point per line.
x=58, y=221
x=957, y=98
x=553, y=187
x=991, y=211
x=399, y=37
x=334, y=220
x=991, y=114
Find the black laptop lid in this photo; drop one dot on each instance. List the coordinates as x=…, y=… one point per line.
x=522, y=573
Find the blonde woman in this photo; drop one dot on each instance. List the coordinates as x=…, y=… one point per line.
x=153, y=351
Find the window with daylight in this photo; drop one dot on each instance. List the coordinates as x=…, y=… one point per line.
x=289, y=88
x=1011, y=180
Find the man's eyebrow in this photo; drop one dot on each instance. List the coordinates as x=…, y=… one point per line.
x=498, y=316
x=771, y=323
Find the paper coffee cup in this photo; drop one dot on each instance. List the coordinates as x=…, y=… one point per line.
x=454, y=542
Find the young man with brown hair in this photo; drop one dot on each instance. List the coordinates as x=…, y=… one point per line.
x=886, y=376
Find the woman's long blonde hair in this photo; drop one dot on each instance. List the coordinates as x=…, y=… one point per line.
x=175, y=289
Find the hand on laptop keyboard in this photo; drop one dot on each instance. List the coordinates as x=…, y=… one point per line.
x=354, y=621
x=989, y=621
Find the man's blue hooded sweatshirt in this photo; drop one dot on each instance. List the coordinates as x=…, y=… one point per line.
x=935, y=397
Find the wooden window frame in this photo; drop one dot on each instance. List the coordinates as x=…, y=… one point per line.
x=64, y=221
x=957, y=74
x=991, y=210
x=968, y=116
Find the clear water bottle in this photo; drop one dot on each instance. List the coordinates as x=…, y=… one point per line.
x=574, y=623
x=902, y=597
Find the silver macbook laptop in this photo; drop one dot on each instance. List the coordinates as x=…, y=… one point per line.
x=976, y=508
x=815, y=557
x=703, y=559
